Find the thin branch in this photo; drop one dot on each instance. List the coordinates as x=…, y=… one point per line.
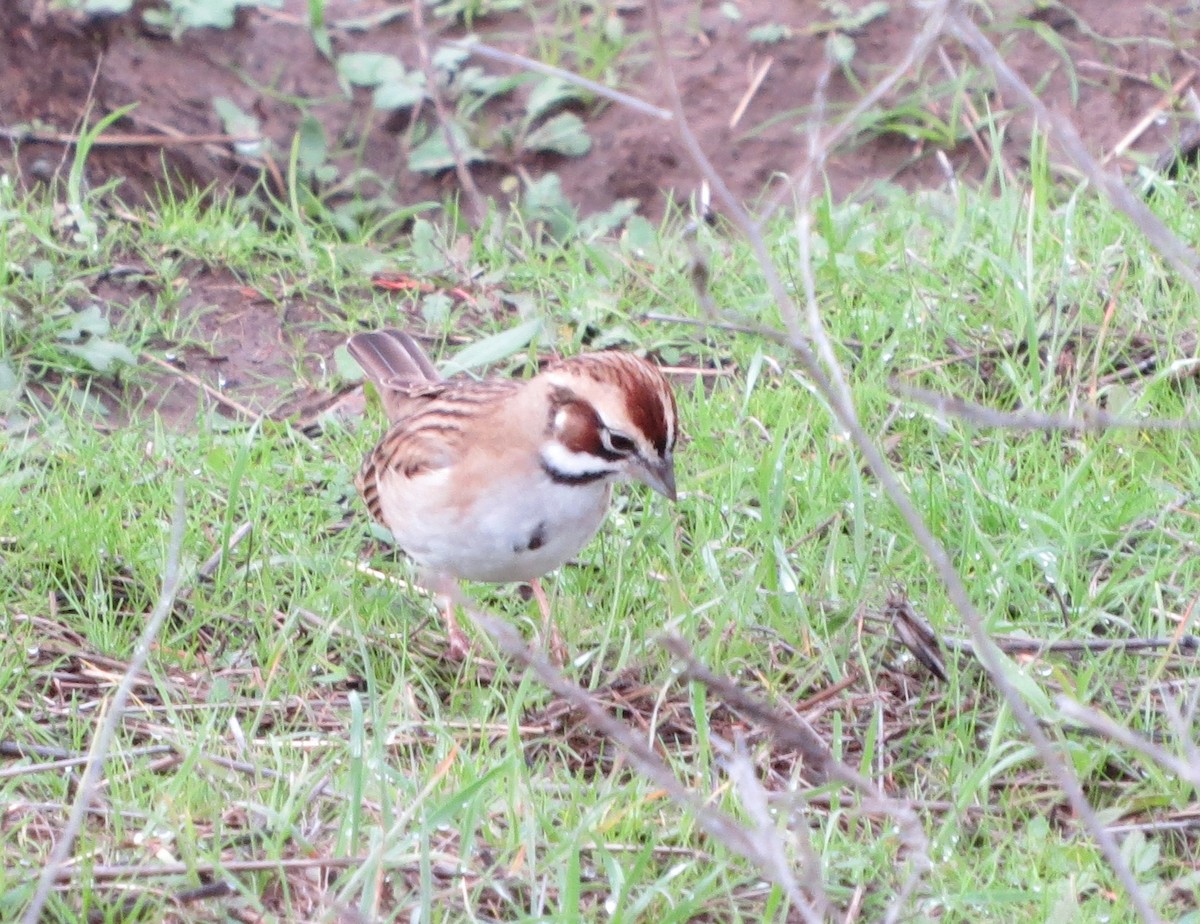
x=792, y=731
x=1092, y=420
x=721, y=827
x=28, y=135
x=1182, y=258
x=65, y=762
x=547, y=70
x=60, y=856
x=475, y=200
x=841, y=403
x=1037, y=646
x=1102, y=725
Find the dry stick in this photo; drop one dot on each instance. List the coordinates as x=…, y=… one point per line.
x=756, y=803
x=721, y=827
x=1181, y=257
x=793, y=732
x=1165, y=101
x=1093, y=420
x=843, y=408
x=969, y=116
x=157, y=870
x=922, y=43
x=60, y=856
x=209, y=568
x=1187, y=643
x=63, y=763
x=529, y=64
x=755, y=82
x=475, y=199
x=204, y=387
x=1098, y=722
x=841, y=403
x=27, y=136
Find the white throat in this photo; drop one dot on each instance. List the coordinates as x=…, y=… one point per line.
x=564, y=464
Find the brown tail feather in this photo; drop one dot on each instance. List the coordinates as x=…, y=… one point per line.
x=394, y=361
x=392, y=358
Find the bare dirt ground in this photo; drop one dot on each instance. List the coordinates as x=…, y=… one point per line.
x=1121, y=71
x=1104, y=63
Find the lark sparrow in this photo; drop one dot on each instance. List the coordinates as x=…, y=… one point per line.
x=500, y=480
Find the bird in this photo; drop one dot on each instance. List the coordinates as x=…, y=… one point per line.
x=503, y=480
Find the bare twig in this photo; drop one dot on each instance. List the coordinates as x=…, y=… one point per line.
x=203, y=386
x=801, y=337
x=1181, y=257
x=209, y=568
x=720, y=826
x=107, y=872
x=1092, y=420
x=1098, y=722
x=1164, y=102
x=1186, y=643
x=475, y=200
x=793, y=732
x=65, y=762
x=59, y=858
x=529, y=64
x=28, y=135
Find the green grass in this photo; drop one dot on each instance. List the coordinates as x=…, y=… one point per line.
x=465, y=786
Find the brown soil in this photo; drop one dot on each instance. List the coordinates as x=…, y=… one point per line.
x=57, y=66
x=60, y=71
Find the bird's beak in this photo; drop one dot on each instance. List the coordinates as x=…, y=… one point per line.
x=659, y=475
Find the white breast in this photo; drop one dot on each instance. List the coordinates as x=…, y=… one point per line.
x=515, y=531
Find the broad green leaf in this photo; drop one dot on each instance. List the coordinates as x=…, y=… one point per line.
x=237, y=122
x=344, y=365
x=543, y=200
x=840, y=48
x=313, y=147
x=436, y=308
x=425, y=248
x=769, y=34
x=108, y=6
x=449, y=59
x=599, y=224
x=433, y=154
x=854, y=21
x=100, y=353
x=370, y=68
x=490, y=350
x=87, y=322
x=548, y=94
x=10, y=386
x=565, y=133
x=401, y=93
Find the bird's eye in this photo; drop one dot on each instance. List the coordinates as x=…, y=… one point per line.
x=618, y=442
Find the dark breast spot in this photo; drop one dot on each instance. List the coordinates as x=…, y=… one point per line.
x=536, y=540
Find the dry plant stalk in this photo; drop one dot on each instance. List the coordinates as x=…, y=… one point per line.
x=89, y=783
x=804, y=333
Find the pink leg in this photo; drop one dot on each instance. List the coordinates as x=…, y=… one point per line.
x=550, y=637
x=458, y=645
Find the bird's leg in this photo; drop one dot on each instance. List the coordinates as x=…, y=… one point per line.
x=458, y=646
x=550, y=637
